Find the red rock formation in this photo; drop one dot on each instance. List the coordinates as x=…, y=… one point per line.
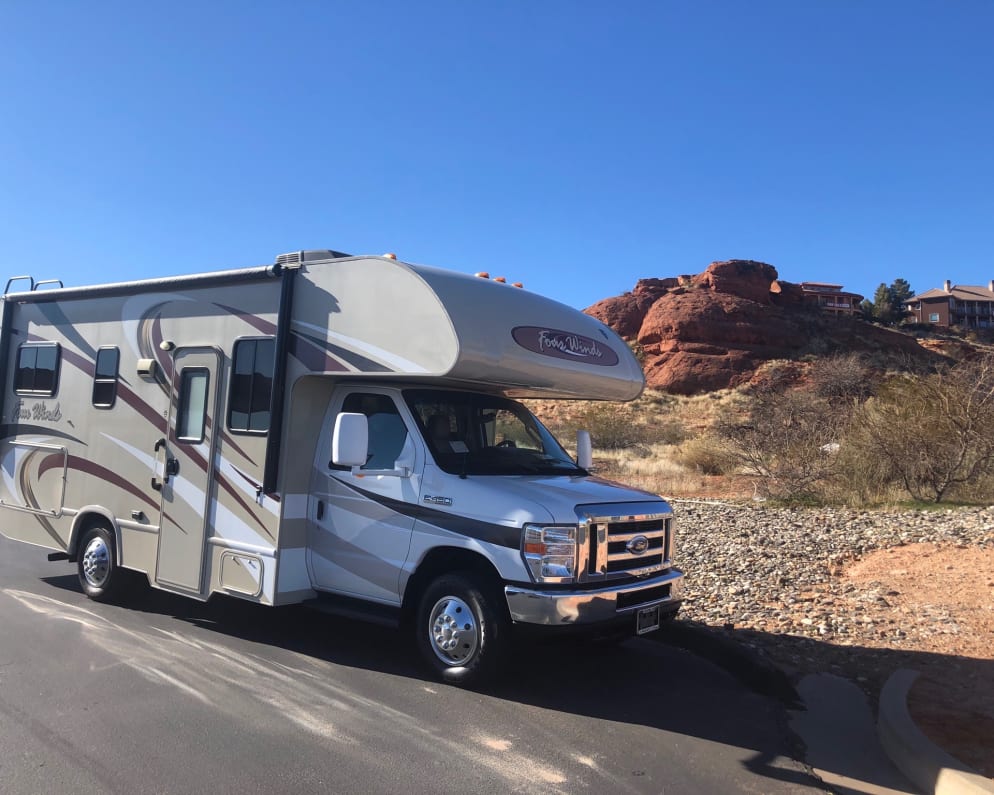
x=743, y=277
x=786, y=293
x=625, y=312
x=712, y=331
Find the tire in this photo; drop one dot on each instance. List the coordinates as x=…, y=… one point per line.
x=99, y=575
x=462, y=631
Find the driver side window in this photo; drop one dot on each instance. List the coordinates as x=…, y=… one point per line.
x=387, y=432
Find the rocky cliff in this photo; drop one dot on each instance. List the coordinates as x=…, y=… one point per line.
x=711, y=331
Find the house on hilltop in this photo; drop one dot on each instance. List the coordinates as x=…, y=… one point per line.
x=960, y=305
x=832, y=298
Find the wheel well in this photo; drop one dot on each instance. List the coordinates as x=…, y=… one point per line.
x=86, y=521
x=440, y=561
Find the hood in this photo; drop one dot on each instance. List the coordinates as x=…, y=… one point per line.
x=513, y=500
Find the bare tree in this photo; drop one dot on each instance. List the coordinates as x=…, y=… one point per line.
x=785, y=440
x=934, y=432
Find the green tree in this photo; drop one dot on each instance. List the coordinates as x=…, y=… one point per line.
x=883, y=308
x=888, y=302
x=900, y=291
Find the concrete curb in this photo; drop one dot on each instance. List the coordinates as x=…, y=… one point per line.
x=925, y=764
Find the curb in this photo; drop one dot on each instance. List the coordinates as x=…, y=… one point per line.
x=925, y=764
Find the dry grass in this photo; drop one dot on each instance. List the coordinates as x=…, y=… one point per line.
x=661, y=472
x=653, y=443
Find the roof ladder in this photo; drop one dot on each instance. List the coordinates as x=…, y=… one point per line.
x=34, y=285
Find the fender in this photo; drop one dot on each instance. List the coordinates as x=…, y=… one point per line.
x=81, y=521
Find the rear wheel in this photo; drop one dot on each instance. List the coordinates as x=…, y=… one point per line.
x=101, y=578
x=462, y=631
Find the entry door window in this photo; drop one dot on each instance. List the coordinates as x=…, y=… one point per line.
x=191, y=416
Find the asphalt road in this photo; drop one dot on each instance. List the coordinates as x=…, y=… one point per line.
x=166, y=695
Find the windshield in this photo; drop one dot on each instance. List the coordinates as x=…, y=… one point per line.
x=472, y=434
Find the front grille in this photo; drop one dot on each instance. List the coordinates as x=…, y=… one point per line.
x=624, y=543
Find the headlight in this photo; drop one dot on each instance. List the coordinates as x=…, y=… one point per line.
x=549, y=552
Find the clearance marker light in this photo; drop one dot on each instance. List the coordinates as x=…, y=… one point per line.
x=482, y=275
x=517, y=284
x=500, y=279
x=388, y=255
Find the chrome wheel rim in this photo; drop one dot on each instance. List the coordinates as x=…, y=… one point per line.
x=96, y=562
x=453, y=633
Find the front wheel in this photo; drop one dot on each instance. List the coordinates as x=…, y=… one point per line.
x=101, y=578
x=462, y=631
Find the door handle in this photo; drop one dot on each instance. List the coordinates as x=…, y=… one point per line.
x=171, y=466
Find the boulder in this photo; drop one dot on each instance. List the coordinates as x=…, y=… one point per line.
x=745, y=278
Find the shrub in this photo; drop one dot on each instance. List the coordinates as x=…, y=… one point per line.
x=933, y=433
x=782, y=440
x=846, y=377
x=707, y=455
x=614, y=427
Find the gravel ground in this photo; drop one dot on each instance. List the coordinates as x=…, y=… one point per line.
x=779, y=569
x=859, y=594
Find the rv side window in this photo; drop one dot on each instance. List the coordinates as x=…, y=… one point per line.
x=105, y=377
x=387, y=432
x=38, y=369
x=251, y=385
x=191, y=415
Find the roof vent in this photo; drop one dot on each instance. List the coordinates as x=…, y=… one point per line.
x=300, y=257
x=293, y=258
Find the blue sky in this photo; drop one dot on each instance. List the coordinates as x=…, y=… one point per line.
x=576, y=146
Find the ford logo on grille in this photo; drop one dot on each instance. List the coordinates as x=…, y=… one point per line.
x=638, y=545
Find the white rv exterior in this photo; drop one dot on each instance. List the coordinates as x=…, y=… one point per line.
x=336, y=430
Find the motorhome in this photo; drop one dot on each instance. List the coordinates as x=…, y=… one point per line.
x=341, y=431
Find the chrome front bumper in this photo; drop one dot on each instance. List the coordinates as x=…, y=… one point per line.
x=565, y=608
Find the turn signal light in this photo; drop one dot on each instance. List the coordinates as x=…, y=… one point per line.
x=549, y=552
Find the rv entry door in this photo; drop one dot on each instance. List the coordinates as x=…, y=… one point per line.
x=186, y=463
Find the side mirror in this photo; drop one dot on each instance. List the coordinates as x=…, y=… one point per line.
x=350, y=442
x=584, y=450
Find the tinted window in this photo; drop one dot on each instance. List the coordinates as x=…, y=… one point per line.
x=251, y=385
x=37, y=369
x=105, y=377
x=191, y=416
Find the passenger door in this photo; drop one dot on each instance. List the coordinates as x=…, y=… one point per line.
x=361, y=525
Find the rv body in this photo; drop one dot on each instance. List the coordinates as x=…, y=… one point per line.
x=341, y=431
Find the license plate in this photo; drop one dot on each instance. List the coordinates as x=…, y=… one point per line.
x=647, y=620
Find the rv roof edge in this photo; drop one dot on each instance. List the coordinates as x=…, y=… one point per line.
x=171, y=282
